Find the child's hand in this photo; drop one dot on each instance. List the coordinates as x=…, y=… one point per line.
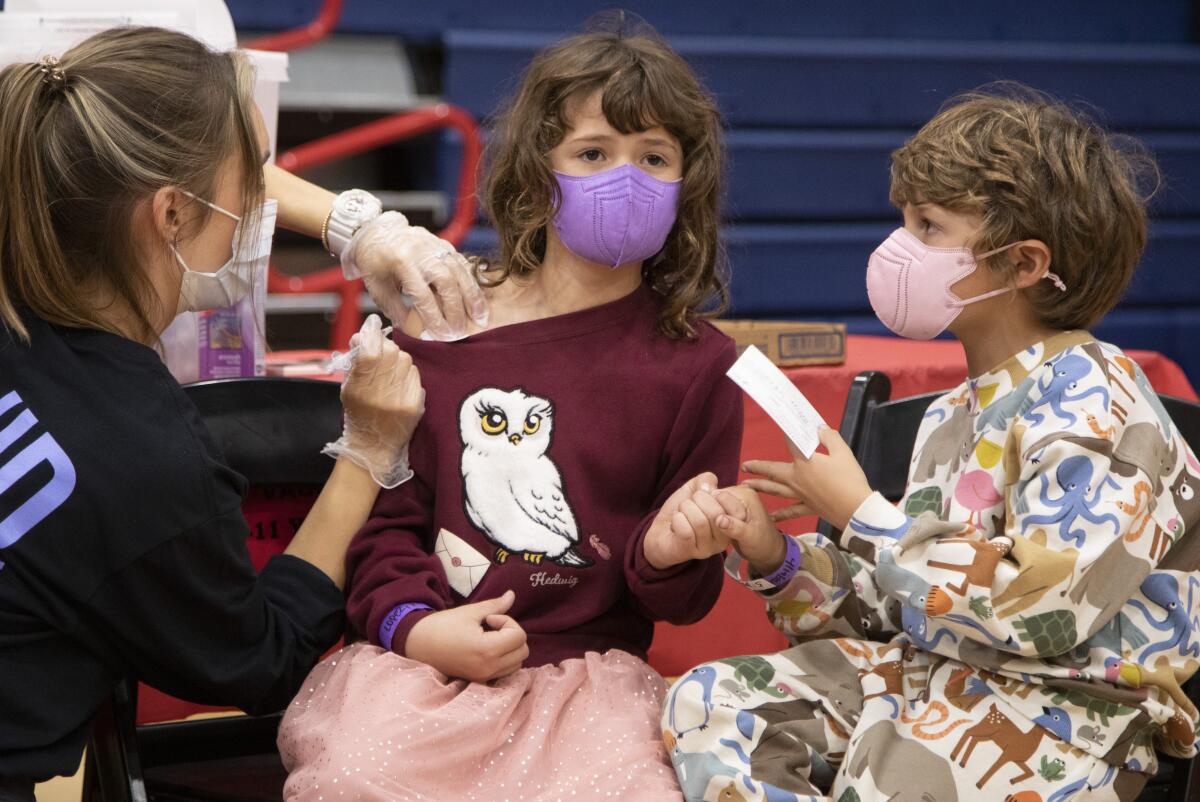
x=682, y=530
x=457, y=643
x=830, y=485
x=752, y=530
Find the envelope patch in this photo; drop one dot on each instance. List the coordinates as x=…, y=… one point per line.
x=464, y=565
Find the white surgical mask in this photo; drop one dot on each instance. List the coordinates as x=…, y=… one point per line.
x=232, y=281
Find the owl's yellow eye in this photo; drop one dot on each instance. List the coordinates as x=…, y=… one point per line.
x=532, y=424
x=493, y=421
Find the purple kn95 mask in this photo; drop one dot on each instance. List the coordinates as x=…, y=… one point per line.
x=616, y=216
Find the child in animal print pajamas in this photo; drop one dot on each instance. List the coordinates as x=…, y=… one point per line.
x=1020, y=626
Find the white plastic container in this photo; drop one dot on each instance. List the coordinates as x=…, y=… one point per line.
x=225, y=343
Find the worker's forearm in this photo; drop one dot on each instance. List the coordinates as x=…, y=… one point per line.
x=338, y=514
x=303, y=206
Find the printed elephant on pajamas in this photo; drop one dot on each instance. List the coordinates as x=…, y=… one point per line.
x=950, y=445
x=827, y=671
x=1109, y=582
x=695, y=769
x=902, y=769
x=1142, y=448
x=790, y=747
x=914, y=591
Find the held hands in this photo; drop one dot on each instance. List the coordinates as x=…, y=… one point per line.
x=383, y=401
x=476, y=642
x=737, y=516
x=751, y=528
x=830, y=485
x=395, y=259
x=682, y=530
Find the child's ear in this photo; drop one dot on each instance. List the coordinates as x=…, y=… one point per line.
x=1031, y=258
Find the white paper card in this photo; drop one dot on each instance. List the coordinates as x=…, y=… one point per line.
x=774, y=392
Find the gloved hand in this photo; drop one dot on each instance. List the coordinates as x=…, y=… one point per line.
x=383, y=401
x=396, y=258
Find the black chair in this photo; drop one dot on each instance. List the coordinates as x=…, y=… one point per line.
x=882, y=432
x=271, y=430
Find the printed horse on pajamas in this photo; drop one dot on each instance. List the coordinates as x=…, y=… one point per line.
x=1016, y=746
x=986, y=555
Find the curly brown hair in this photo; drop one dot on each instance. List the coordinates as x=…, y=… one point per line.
x=1035, y=168
x=643, y=84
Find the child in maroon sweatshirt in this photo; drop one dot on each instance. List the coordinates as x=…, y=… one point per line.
x=507, y=593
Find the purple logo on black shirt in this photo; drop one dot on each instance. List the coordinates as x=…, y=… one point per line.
x=13, y=467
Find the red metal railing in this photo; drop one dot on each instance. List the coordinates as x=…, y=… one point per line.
x=304, y=36
x=363, y=138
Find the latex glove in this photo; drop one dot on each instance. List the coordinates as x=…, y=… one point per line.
x=383, y=401
x=397, y=260
x=476, y=642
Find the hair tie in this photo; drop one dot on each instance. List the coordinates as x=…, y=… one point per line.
x=1058, y=282
x=52, y=73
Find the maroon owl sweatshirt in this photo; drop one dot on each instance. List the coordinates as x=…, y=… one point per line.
x=545, y=451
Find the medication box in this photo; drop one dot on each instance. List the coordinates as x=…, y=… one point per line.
x=789, y=343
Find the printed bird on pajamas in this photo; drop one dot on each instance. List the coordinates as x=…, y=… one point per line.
x=512, y=490
x=1116, y=669
x=976, y=493
x=695, y=692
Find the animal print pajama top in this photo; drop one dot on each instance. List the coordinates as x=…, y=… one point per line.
x=1043, y=537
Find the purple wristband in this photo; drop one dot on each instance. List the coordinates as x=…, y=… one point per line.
x=392, y=620
x=791, y=564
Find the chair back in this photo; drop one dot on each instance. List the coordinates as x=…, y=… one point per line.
x=881, y=433
x=270, y=430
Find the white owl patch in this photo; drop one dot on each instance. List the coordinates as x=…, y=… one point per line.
x=512, y=490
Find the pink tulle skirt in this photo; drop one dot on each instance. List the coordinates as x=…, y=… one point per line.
x=371, y=725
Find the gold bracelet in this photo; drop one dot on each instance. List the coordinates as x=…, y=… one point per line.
x=325, y=233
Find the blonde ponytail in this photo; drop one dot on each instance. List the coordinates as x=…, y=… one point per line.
x=84, y=141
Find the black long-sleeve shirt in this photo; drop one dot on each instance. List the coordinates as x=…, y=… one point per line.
x=122, y=551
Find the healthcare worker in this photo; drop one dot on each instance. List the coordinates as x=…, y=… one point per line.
x=131, y=174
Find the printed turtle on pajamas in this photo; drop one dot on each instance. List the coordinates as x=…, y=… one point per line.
x=756, y=672
x=1097, y=709
x=1051, y=633
x=927, y=499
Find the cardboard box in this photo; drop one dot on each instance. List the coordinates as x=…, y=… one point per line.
x=790, y=343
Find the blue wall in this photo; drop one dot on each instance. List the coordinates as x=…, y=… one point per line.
x=817, y=95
